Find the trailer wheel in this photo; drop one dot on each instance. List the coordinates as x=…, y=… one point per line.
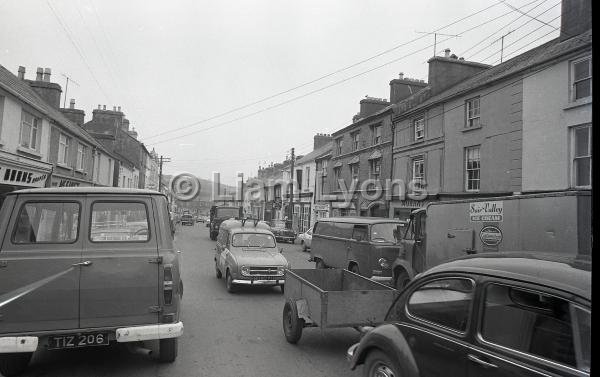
x=292, y=324
x=401, y=280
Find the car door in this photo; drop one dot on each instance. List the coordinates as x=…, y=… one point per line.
x=360, y=250
x=528, y=331
x=39, y=264
x=436, y=319
x=119, y=283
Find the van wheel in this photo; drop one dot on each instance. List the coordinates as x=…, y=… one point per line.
x=167, y=350
x=13, y=364
x=320, y=265
x=401, y=280
x=229, y=283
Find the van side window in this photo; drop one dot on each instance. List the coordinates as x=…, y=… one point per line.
x=339, y=230
x=119, y=222
x=47, y=222
x=360, y=233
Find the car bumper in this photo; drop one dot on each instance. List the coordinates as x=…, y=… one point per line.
x=18, y=344
x=280, y=281
x=350, y=352
x=150, y=332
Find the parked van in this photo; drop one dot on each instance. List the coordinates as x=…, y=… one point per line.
x=83, y=267
x=364, y=245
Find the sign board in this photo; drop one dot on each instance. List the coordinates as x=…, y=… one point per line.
x=321, y=207
x=490, y=235
x=17, y=176
x=486, y=211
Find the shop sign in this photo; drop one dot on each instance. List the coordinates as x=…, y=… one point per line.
x=486, y=211
x=490, y=235
x=321, y=207
x=22, y=177
x=63, y=182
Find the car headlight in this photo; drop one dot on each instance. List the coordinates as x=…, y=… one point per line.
x=280, y=270
x=245, y=271
x=384, y=263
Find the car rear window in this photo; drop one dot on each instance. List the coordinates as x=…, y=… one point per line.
x=253, y=240
x=119, y=222
x=47, y=222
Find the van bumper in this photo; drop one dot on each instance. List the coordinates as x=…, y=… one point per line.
x=149, y=332
x=17, y=344
x=259, y=282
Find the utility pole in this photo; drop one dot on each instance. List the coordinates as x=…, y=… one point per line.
x=435, y=38
x=160, y=170
x=67, y=88
x=291, y=210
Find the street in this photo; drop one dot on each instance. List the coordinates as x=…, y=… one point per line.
x=225, y=334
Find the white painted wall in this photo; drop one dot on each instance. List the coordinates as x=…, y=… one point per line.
x=11, y=127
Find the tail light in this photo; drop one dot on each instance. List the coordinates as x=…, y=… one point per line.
x=168, y=285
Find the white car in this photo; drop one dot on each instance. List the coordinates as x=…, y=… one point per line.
x=306, y=239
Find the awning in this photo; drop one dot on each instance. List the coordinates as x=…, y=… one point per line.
x=16, y=170
x=354, y=160
x=375, y=155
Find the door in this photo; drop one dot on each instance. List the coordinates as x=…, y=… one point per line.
x=360, y=250
x=39, y=271
x=119, y=283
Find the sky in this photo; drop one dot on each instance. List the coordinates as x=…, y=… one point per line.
x=229, y=86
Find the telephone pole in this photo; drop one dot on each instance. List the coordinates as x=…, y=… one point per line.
x=160, y=171
x=291, y=210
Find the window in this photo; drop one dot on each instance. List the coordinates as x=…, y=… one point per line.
x=376, y=168
x=277, y=192
x=29, y=131
x=360, y=233
x=445, y=302
x=299, y=179
x=582, y=78
x=81, y=153
x=339, y=144
x=377, y=135
x=419, y=126
x=307, y=186
x=63, y=149
x=119, y=222
x=582, y=156
x=355, y=141
x=536, y=323
x=472, y=111
x=472, y=168
x=46, y=222
x=336, y=176
x=354, y=170
x=418, y=171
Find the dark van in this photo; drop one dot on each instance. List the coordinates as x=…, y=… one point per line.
x=364, y=245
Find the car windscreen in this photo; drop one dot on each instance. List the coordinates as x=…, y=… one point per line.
x=228, y=212
x=384, y=232
x=252, y=240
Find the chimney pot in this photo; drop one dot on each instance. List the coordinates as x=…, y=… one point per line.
x=114, y=108
x=401, y=75
x=72, y=103
x=99, y=107
x=21, y=72
x=47, y=73
x=103, y=107
x=119, y=108
x=39, y=74
x=447, y=52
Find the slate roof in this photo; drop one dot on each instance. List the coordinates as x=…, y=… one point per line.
x=315, y=153
x=535, y=57
x=20, y=89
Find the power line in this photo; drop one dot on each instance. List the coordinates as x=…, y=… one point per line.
x=525, y=14
x=322, y=77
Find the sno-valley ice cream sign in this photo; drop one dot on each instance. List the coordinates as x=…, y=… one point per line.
x=22, y=177
x=486, y=211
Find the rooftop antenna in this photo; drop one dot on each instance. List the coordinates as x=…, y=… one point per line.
x=502, y=44
x=435, y=34
x=67, y=88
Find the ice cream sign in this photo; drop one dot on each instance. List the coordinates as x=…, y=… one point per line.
x=486, y=211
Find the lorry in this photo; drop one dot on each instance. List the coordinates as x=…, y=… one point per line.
x=220, y=213
x=556, y=222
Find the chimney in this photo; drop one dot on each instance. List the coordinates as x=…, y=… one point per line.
x=370, y=105
x=320, y=140
x=47, y=73
x=22, y=72
x=99, y=107
x=75, y=115
x=119, y=108
x=576, y=18
x=49, y=91
x=402, y=88
x=448, y=70
x=104, y=107
x=114, y=108
x=447, y=53
x=125, y=124
x=72, y=103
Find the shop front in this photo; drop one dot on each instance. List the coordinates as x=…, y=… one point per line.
x=19, y=172
x=62, y=181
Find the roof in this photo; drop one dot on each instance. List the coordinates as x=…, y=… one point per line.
x=24, y=92
x=529, y=59
x=564, y=272
x=86, y=190
x=361, y=220
x=366, y=119
x=315, y=153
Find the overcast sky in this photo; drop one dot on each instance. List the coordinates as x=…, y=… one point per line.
x=172, y=64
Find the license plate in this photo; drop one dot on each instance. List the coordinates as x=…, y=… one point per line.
x=78, y=340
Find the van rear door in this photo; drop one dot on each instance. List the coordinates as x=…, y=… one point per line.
x=39, y=257
x=120, y=283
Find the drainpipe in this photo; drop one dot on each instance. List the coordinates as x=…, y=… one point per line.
x=391, y=194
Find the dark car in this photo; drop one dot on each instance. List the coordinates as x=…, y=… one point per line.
x=513, y=314
x=281, y=232
x=187, y=219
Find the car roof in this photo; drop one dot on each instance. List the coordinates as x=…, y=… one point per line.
x=86, y=190
x=566, y=272
x=250, y=229
x=361, y=220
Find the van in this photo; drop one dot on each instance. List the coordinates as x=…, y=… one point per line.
x=83, y=267
x=364, y=245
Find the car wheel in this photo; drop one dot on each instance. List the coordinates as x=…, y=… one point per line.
x=292, y=324
x=379, y=364
x=13, y=364
x=217, y=271
x=320, y=265
x=167, y=350
x=401, y=280
x=229, y=283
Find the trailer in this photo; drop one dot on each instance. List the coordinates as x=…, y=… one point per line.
x=332, y=298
